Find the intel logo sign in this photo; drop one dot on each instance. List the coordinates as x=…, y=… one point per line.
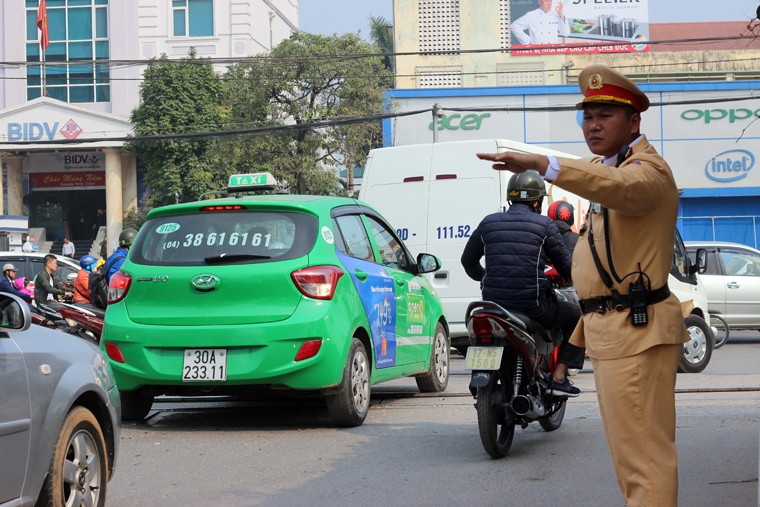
x=731, y=165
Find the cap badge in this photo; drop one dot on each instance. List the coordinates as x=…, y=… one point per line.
x=595, y=82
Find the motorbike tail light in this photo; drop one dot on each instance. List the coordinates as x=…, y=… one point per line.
x=308, y=349
x=483, y=330
x=114, y=353
x=118, y=287
x=318, y=282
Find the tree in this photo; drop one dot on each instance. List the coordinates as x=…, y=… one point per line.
x=178, y=97
x=306, y=78
x=382, y=40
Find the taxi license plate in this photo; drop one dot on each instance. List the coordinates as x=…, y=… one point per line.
x=483, y=358
x=204, y=364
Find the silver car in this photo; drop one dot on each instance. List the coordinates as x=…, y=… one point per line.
x=732, y=280
x=59, y=414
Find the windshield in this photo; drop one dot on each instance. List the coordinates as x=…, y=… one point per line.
x=225, y=237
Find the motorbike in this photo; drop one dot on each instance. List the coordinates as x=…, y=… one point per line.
x=72, y=319
x=512, y=359
x=89, y=320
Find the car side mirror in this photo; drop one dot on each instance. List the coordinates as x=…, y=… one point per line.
x=14, y=313
x=700, y=264
x=427, y=263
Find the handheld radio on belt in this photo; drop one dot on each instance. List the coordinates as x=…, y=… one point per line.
x=640, y=294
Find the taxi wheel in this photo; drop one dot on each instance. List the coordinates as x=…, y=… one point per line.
x=136, y=404
x=350, y=405
x=437, y=378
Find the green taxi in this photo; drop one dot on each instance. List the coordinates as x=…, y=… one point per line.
x=270, y=292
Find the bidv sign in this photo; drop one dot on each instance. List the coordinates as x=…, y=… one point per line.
x=731, y=165
x=33, y=131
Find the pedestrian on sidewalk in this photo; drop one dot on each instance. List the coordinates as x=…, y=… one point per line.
x=68, y=249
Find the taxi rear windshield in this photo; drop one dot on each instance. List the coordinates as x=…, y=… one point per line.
x=228, y=237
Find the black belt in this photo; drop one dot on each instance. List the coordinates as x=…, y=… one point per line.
x=602, y=304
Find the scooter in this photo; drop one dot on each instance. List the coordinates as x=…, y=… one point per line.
x=88, y=319
x=512, y=359
x=67, y=318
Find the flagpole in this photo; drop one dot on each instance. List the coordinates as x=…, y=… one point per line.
x=42, y=75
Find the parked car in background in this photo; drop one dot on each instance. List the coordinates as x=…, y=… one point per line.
x=59, y=414
x=28, y=264
x=732, y=279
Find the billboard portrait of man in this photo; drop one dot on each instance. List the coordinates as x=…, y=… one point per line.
x=542, y=25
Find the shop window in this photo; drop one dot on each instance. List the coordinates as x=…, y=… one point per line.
x=193, y=18
x=78, y=32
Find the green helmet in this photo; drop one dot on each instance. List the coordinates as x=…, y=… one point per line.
x=126, y=237
x=526, y=186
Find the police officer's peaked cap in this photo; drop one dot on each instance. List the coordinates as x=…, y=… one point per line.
x=600, y=83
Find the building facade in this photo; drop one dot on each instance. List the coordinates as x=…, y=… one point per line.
x=461, y=55
x=84, y=87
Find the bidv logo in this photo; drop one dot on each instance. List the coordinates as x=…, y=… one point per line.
x=731, y=165
x=33, y=131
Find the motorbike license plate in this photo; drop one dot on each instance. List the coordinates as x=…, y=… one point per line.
x=483, y=358
x=204, y=364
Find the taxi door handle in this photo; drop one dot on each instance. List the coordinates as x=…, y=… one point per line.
x=732, y=285
x=361, y=275
x=400, y=282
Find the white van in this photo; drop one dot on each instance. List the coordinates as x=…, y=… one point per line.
x=436, y=194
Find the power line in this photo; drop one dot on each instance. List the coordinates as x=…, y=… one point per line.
x=352, y=56
x=326, y=123
x=224, y=77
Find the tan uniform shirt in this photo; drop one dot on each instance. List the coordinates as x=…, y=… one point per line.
x=642, y=200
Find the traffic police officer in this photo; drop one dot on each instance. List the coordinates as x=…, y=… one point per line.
x=632, y=326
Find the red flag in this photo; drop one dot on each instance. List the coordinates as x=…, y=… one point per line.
x=42, y=24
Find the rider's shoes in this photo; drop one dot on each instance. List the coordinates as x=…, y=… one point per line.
x=565, y=388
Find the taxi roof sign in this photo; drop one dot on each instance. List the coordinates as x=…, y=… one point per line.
x=253, y=181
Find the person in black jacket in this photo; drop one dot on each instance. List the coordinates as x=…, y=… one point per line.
x=516, y=245
x=45, y=286
x=563, y=214
x=6, y=283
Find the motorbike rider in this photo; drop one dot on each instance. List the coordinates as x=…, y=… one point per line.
x=117, y=258
x=82, y=283
x=7, y=285
x=563, y=214
x=515, y=244
x=46, y=288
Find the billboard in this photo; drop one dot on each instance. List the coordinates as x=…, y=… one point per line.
x=540, y=27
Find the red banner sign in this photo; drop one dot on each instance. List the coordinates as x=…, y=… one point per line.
x=68, y=179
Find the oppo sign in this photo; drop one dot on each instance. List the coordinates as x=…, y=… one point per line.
x=710, y=115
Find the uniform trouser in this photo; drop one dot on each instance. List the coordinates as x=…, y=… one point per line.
x=637, y=402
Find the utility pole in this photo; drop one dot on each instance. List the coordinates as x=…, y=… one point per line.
x=271, y=38
x=437, y=113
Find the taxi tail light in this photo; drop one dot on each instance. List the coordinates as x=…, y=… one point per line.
x=483, y=330
x=317, y=282
x=308, y=349
x=114, y=353
x=118, y=287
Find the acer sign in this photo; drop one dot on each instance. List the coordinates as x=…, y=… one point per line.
x=36, y=131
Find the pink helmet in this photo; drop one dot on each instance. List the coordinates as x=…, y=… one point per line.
x=19, y=283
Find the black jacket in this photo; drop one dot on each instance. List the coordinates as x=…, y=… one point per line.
x=515, y=245
x=568, y=236
x=42, y=287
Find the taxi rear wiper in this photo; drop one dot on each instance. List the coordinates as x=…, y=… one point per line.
x=226, y=257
